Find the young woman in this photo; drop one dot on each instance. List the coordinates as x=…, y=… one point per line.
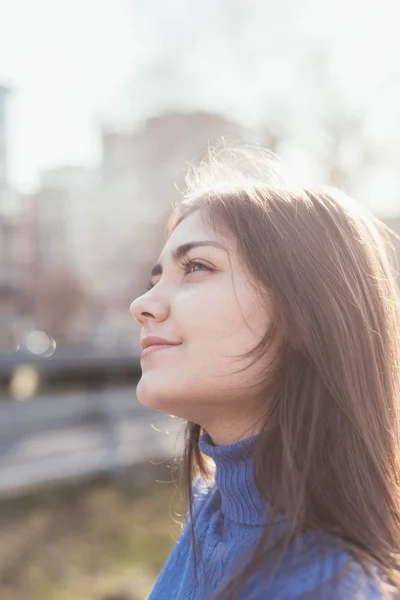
x=271, y=325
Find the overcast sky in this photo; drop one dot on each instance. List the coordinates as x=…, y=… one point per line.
x=74, y=64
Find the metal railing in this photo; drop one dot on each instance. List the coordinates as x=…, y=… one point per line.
x=71, y=435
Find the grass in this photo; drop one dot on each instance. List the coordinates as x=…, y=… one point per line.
x=94, y=541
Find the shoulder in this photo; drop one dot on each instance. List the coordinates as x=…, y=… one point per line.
x=342, y=578
x=329, y=571
x=323, y=572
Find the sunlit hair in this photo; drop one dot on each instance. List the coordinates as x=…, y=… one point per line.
x=328, y=456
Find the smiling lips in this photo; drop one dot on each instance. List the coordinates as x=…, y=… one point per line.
x=152, y=344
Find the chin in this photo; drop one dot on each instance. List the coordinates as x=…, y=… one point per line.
x=154, y=396
x=170, y=400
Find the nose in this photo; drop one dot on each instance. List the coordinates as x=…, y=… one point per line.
x=147, y=308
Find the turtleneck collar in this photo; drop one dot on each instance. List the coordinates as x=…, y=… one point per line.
x=234, y=479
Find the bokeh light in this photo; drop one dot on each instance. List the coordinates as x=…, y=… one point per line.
x=24, y=383
x=38, y=342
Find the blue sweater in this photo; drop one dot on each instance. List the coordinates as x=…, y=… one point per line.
x=229, y=516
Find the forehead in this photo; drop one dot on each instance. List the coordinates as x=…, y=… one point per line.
x=194, y=228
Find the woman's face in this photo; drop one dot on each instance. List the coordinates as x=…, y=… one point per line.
x=204, y=302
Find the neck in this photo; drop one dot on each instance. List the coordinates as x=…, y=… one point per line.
x=234, y=479
x=229, y=431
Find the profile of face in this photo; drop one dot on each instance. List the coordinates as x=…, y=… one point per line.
x=205, y=303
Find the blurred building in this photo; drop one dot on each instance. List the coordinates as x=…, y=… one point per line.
x=10, y=272
x=9, y=284
x=3, y=144
x=54, y=227
x=64, y=207
x=9, y=205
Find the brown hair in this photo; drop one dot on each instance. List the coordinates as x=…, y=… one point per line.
x=331, y=430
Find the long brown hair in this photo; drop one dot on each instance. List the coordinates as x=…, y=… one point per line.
x=331, y=427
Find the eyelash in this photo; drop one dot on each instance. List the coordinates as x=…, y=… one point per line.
x=185, y=265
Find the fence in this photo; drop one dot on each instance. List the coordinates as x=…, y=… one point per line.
x=80, y=434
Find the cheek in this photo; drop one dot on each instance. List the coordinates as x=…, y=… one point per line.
x=223, y=320
x=211, y=316
x=218, y=342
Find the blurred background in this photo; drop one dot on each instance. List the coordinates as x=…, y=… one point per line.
x=103, y=105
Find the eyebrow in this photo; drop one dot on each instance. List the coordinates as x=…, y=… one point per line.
x=181, y=251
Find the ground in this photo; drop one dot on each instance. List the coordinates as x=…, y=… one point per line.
x=102, y=540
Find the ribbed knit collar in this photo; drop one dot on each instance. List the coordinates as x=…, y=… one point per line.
x=234, y=479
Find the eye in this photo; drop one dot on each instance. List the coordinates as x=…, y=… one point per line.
x=188, y=266
x=191, y=266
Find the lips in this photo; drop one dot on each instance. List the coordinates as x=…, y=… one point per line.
x=157, y=348
x=152, y=344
